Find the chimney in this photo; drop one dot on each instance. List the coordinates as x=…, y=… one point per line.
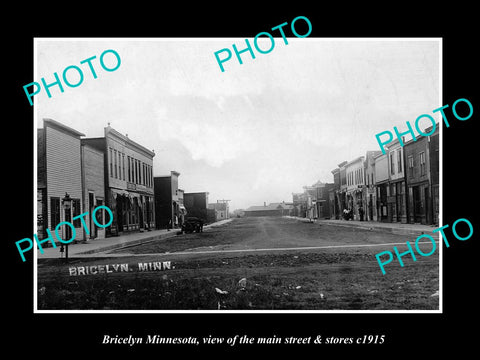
x=265, y=204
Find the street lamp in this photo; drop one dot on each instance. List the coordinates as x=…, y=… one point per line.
x=67, y=204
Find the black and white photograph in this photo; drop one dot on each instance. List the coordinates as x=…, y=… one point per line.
x=219, y=180
x=261, y=187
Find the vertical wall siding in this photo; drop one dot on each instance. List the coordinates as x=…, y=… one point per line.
x=93, y=168
x=94, y=183
x=63, y=164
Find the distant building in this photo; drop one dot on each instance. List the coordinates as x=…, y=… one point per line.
x=59, y=173
x=170, y=210
x=287, y=208
x=221, y=210
x=309, y=202
x=299, y=202
x=318, y=200
x=273, y=209
x=238, y=213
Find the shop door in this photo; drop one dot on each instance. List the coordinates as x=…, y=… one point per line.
x=370, y=207
x=417, y=205
x=92, y=227
x=120, y=212
x=141, y=223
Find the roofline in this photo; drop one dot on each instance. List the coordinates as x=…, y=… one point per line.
x=355, y=160
x=373, y=153
x=114, y=132
x=173, y=172
x=435, y=133
x=375, y=157
x=61, y=127
x=93, y=138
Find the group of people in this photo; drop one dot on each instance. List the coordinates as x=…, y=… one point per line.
x=177, y=222
x=348, y=213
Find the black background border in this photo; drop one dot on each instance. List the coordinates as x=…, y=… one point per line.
x=62, y=335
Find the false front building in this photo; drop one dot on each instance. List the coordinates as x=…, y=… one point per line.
x=169, y=209
x=59, y=173
x=128, y=181
x=318, y=200
x=221, y=210
x=355, y=196
x=396, y=195
x=370, y=189
x=422, y=177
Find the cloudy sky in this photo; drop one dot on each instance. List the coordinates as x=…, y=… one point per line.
x=258, y=131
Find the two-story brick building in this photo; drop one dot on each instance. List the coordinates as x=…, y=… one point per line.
x=422, y=156
x=435, y=175
x=370, y=189
x=397, y=205
x=355, y=187
x=128, y=168
x=382, y=187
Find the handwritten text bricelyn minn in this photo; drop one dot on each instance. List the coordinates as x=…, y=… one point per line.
x=126, y=267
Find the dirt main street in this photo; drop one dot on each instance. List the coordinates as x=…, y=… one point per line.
x=249, y=264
